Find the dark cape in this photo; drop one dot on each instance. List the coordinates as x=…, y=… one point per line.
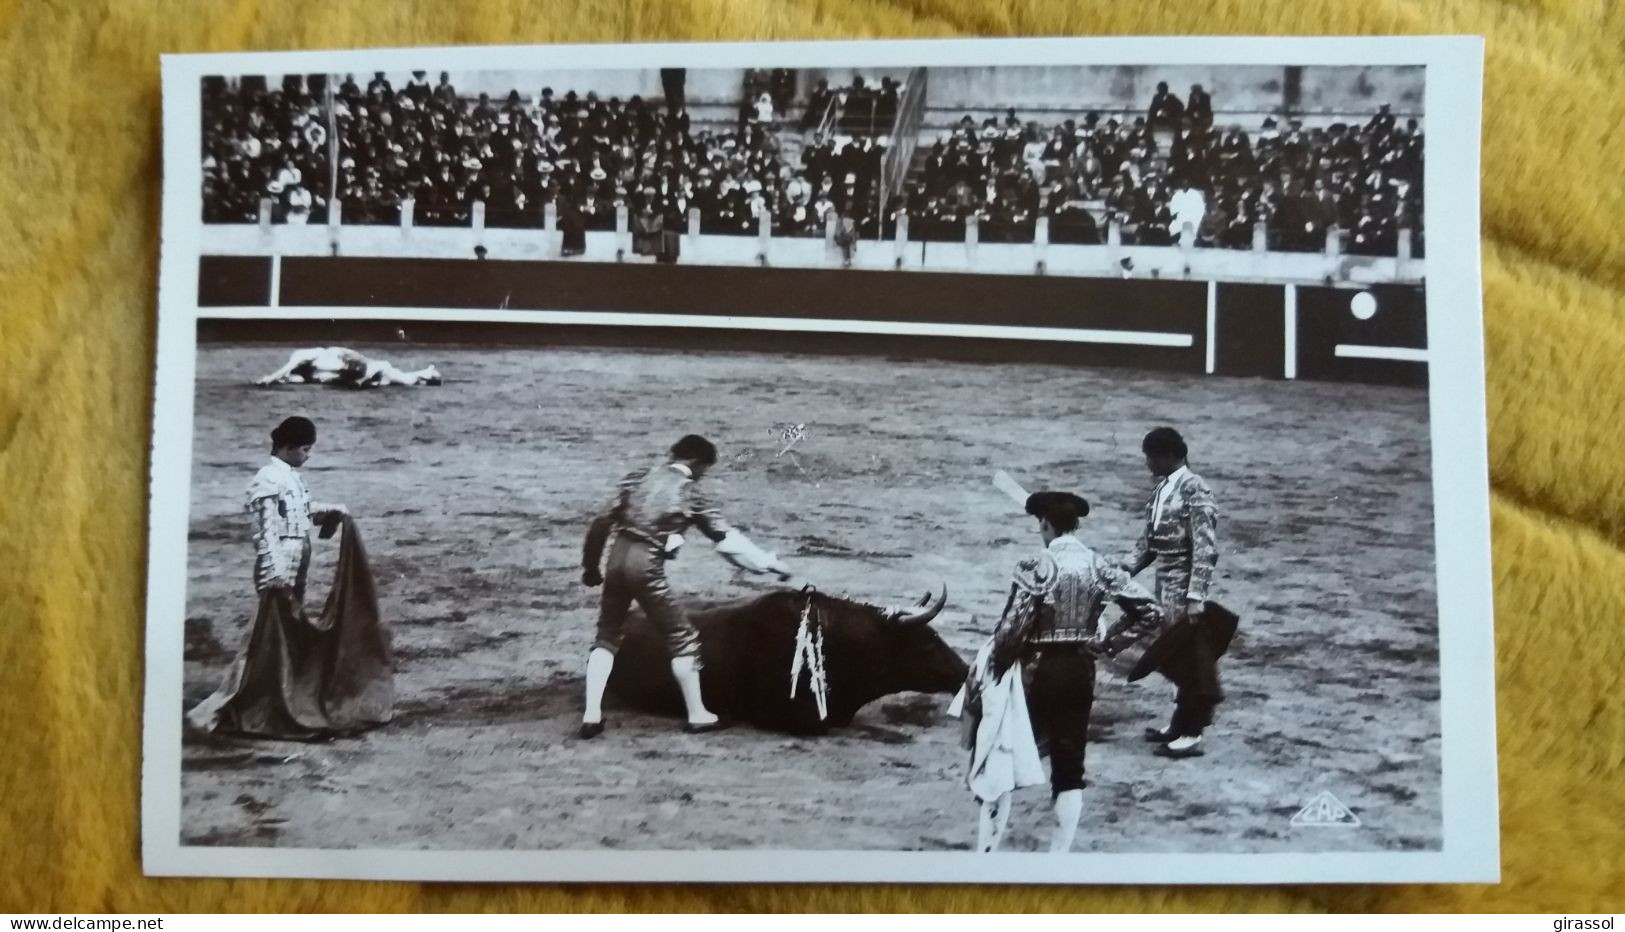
x=301, y=680
x=1188, y=654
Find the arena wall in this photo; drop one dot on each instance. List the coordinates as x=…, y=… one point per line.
x=816, y=252
x=1276, y=331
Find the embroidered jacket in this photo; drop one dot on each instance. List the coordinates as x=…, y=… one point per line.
x=658, y=501
x=282, y=512
x=1181, y=527
x=652, y=504
x=1058, y=599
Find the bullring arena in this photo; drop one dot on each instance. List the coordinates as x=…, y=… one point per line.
x=1306, y=410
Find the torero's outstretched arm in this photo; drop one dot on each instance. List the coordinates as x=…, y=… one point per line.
x=1141, y=557
x=1140, y=612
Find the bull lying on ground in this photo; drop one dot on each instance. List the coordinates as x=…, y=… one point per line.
x=748, y=648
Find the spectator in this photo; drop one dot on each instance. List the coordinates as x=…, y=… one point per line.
x=1070, y=218
x=417, y=89
x=1166, y=112
x=442, y=152
x=1033, y=151
x=648, y=229
x=672, y=81
x=299, y=201
x=1382, y=124
x=1188, y=209
x=846, y=239
x=572, y=229
x=1215, y=224
x=859, y=109
x=782, y=87
x=817, y=103
x=444, y=93
x=378, y=89
x=1199, y=108
x=796, y=218
x=886, y=106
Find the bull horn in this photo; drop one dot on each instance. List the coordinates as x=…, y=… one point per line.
x=925, y=610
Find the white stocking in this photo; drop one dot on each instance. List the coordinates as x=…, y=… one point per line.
x=599, y=664
x=1068, y=809
x=990, y=826
x=688, y=679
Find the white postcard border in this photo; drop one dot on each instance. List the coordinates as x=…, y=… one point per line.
x=1470, y=830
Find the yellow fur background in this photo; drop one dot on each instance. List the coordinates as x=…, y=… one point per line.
x=79, y=220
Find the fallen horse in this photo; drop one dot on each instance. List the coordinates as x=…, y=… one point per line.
x=345, y=368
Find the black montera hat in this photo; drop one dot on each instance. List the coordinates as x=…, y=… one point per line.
x=694, y=447
x=1164, y=441
x=294, y=432
x=1057, y=504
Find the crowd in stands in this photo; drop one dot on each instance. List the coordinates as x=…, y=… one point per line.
x=1172, y=168
x=1166, y=177
x=443, y=151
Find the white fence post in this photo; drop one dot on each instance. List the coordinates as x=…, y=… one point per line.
x=335, y=219
x=1334, y=252
x=1260, y=253
x=764, y=235
x=1041, y=244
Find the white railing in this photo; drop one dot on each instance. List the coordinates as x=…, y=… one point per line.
x=1040, y=257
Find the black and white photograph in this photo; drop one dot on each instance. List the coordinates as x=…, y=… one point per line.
x=1045, y=461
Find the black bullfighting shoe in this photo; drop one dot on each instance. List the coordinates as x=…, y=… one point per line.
x=701, y=728
x=1183, y=746
x=1159, y=735
x=590, y=730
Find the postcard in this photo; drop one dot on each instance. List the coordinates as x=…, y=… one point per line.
x=1035, y=461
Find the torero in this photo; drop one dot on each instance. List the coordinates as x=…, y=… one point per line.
x=647, y=515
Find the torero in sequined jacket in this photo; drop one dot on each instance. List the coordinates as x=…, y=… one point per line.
x=1181, y=536
x=1058, y=597
x=283, y=514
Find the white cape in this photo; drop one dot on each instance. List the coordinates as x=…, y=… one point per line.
x=1004, y=755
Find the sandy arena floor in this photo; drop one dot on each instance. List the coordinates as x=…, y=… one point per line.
x=473, y=498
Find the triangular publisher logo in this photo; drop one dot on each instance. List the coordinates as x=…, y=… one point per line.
x=1325, y=809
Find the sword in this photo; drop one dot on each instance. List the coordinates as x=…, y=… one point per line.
x=1005, y=483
